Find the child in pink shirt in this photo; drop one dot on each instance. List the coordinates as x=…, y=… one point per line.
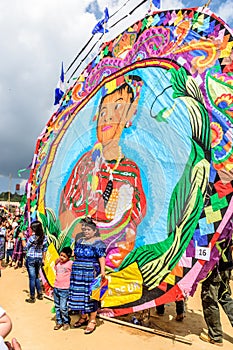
x=63, y=268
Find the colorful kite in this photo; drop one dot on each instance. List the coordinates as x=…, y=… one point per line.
x=142, y=143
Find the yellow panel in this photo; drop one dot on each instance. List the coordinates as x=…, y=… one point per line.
x=227, y=51
x=229, y=167
x=171, y=279
x=51, y=256
x=212, y=216
x=123, y=286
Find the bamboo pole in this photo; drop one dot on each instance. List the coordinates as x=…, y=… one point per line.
x=147, y=329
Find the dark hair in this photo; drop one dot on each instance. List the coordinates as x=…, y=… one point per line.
x=89, y=222
x=67, y=251
x=36, y=227
x=122, y=87
x=16, y=232
x=3, y=219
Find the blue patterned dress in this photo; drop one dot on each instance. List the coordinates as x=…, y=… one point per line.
x=85, y=268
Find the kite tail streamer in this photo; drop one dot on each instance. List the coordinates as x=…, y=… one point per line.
x=23, y=170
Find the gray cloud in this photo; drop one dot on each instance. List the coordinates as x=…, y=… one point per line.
x=93, y=7
x=35, y=37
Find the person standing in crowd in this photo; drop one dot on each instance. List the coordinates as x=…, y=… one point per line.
x=89, y=262
x=63, y=268
x=9, y=249
x=2, y=241
x=216, y=290
x=36, y=248
x=15, y=222
x=17, y=256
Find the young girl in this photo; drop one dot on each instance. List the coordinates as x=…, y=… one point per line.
x=36, y=248
x=63, y=268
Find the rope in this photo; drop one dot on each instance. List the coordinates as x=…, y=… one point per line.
x=85, y=46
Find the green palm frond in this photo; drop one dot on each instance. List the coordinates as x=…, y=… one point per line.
x=187, y=201
x=186, y=88
x=178, y=81
x=65, y=236
x=60, y=238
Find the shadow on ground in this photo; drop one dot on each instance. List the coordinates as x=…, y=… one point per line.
x=192, y=324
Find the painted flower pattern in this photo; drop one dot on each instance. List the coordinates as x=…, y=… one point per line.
x=217, y=134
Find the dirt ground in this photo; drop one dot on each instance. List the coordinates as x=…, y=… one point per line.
x=33, y=324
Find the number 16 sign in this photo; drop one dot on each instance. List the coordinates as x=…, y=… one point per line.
x=202, y=253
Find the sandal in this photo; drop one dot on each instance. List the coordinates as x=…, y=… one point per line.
x=81, y=322
x=58, y=326
x=91, y=328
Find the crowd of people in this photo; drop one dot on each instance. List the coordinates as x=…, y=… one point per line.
x=11, y=248
x=76, y=270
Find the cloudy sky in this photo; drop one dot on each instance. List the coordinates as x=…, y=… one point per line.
x=35, y=37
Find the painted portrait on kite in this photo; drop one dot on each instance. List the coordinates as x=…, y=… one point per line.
x=105, y=184
x=142, y=144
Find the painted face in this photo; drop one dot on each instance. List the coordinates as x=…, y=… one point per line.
x=115, y=111
x=89, y=232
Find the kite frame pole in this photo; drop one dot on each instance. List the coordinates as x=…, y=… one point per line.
x=174, y=337
x=147, y=329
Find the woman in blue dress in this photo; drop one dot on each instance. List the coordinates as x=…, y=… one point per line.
x=89, y=262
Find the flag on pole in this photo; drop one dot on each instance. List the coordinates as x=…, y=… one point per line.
x=60, y=89
x=156, y=3
x=100, y=26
